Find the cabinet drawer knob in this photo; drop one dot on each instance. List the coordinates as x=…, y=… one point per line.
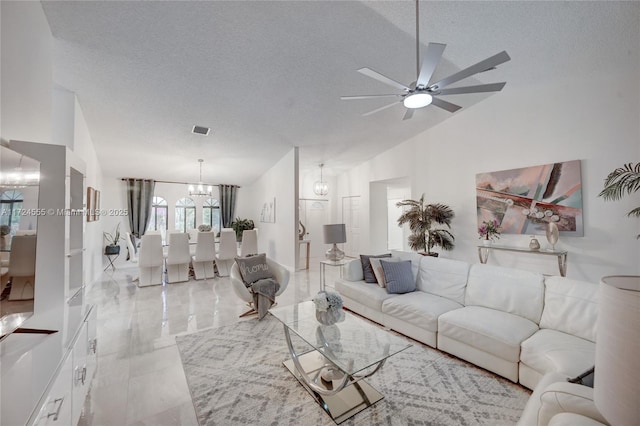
x=56, y=413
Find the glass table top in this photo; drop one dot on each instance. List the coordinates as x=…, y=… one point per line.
x=351, y=344
x=524, y=249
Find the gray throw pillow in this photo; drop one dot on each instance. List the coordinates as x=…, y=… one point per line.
x=398, y=277
x=253, y=268
x=367, y=270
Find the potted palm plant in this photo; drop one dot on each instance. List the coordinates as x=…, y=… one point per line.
x=621, y=181
x=422, y=218
x=112, y=241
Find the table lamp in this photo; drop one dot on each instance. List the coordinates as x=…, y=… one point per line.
x=617, y=377
x=335, y=234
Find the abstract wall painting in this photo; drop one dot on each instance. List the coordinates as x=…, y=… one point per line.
x=268, y=213
x=524, y=200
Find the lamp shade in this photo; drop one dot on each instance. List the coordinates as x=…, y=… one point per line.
x=335, y=234
x=617, y=377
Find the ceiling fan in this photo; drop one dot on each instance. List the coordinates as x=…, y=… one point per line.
x=423, y=92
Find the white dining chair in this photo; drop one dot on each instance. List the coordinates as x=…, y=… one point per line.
x=227, y=252
x=193, y=235
x=22, y=267
x=150, y=260
x=178, y=258
x=249, y=244
x=133, y=253
x=205, y=255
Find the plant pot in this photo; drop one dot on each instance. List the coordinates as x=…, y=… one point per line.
x=112, y=249
x=432, y=254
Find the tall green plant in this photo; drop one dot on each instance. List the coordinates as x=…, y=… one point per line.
x=422, y=218
x=621, y=181
x=240, y=225
x=113, y=239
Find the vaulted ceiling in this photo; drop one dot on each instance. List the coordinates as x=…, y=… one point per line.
x=267, y=76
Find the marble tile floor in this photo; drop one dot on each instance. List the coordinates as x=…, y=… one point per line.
x=139, y=379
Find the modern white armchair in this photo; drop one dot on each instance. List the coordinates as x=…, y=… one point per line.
x=227, y=252
x=150, y=260
x=249, y=244
x=280, y=275
x=558, y=402
x=205, y=255
x=178, y=258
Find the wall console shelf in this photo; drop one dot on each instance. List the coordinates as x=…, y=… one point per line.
x=483, y=254
x=45, y=378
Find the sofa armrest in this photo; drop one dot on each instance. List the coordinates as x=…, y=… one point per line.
x=564, y=397
x=352, y=271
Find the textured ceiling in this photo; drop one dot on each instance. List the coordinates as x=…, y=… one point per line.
x=267, y=76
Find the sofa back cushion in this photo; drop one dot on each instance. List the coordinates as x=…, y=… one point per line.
x=570, y=306
x=414, y=257
x=352, y=271
x=443, y=277
x=509, y=290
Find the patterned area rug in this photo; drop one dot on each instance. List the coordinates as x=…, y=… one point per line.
x=235, y=375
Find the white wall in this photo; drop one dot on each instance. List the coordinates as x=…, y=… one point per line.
x=26, y=73
x=28, y=95
x=93, y=239
x=278, y=240
x=522, y=127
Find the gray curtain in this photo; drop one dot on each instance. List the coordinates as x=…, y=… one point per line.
x=139, y=200
x=227, y=204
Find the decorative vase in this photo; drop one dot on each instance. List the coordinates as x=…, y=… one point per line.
x=534, y=244
x=552, y=234
x=329, y=317
x=487, y=242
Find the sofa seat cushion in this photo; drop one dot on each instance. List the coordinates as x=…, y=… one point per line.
x=492, y=331
x=419, y=309
x=369, y=295
x=554, y=351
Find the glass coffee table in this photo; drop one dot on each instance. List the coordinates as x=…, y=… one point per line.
x=340, y=357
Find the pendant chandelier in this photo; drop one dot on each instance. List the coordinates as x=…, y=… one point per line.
x=320, y=187
x=199, y=189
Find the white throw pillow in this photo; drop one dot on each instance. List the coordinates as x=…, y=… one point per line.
x=377, y=269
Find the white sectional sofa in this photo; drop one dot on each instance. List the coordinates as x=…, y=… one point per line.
x=515, y=323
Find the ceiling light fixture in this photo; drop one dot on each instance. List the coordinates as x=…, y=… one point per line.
x=199, y=190
x=320, y=187
x=417, y=100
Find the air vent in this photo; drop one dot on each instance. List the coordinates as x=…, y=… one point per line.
x=200, y=130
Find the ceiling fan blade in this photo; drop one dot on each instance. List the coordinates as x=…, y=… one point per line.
x=386, y=80
x=481, y=66
x=380, y=109
x=429, y=63
x=492, y=87
x=445, y=105
x=408, y=114
x=350, y=98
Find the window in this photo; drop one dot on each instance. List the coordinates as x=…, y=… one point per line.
x=11, y=204
x=159, y=214
x=185, y=214
x=211, y=214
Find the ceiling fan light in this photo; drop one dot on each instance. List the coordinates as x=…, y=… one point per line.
x=417, y=100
